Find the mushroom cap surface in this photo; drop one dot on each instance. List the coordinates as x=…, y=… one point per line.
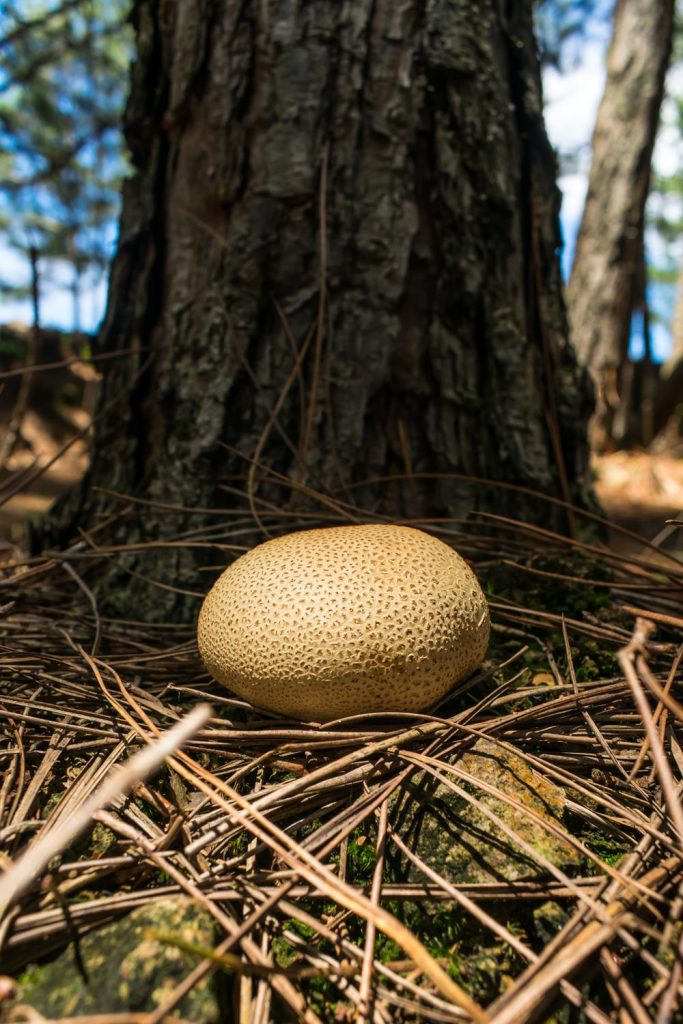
x=333, y=622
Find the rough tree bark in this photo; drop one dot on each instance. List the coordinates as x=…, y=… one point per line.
x=603, y=287
x=364, y=187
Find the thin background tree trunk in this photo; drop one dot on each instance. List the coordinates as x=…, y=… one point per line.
x=668, y=409
x=604, y=280
x=340, y=252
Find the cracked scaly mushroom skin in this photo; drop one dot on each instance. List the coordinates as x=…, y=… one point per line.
x=333, y=622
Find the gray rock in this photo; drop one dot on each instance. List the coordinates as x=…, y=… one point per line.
x=549, y=919
x=127, y=969
x=459, y=841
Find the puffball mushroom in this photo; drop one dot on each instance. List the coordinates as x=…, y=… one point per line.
x=328, y=623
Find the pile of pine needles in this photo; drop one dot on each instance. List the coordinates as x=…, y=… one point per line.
x=287, y=833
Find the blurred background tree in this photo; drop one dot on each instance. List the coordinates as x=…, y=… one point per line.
x=666, y=271
x=608, y=282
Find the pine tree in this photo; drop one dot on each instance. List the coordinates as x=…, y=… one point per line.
x=337, y=269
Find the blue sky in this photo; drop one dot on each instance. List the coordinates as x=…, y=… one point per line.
x=56, y=299
x=572, y=99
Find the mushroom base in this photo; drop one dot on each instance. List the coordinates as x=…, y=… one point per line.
x=324, y=700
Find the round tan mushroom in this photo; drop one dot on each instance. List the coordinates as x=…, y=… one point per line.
x=327, y=623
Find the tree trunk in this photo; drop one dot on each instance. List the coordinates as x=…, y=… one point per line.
x=339, y=251
x=603, y=285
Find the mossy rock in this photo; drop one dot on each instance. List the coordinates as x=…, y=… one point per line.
x=458, y=840
x=127, y=970
x=549, y=919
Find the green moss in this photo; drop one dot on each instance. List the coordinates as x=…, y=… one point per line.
x=361, y=857
x=570, y=597
x=94, y=842
x=607, y=847
x=284, y=952
x=30, y=977
x=101, y=839
x=593, y=660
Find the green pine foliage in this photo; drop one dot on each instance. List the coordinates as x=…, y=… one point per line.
x=666, y=200
x=562, y=26
x=63, y=82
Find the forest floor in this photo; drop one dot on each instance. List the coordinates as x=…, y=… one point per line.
x=42, y=414
x=513, y=855
x=513, y=851
x=640, y=491
x=41, y=439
